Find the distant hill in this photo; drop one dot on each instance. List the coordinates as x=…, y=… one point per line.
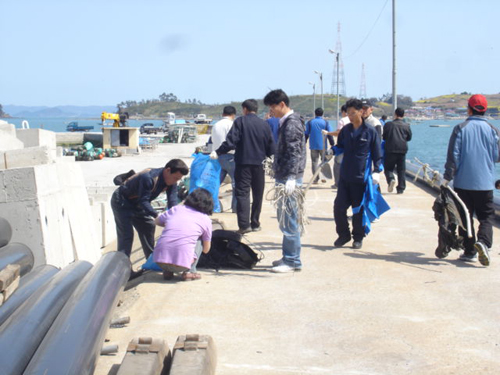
x=58, y=111
x=456, y=101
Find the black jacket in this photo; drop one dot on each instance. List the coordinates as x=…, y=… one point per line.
x=251, y=138
x=396, y=135
x=290, y=158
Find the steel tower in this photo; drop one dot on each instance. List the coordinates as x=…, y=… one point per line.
x=336, y=66
x=362, y=87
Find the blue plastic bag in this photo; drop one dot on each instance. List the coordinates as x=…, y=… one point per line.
x=205, y=173
x=151, y=265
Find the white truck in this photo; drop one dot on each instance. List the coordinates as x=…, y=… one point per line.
x=202, y=119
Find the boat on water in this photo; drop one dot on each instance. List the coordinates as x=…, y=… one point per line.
x=440, y=126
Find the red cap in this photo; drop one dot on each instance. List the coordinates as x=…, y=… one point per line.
x=478, y=102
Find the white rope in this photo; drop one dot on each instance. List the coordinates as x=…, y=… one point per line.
x=426, y=169
x=268, y=166
x=287, y=202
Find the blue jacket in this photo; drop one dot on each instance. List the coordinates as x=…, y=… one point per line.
x=473, y=151
x=313, y=132
x=357, y=147
x=145, y=186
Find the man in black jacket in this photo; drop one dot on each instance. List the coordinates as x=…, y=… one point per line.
x=252, y=140
x=131, y=204
x=397, y=134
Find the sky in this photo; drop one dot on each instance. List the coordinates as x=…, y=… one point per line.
x=103, y=52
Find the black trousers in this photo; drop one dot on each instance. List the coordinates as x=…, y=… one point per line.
x=480, y=203
x=128, y=217
x=395, y=161
x=349, y=195
x=249, y=177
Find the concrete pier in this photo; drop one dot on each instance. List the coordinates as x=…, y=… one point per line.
x=390, y=308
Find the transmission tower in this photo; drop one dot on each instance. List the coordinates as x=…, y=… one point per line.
x=362, y=87
x=336, y=66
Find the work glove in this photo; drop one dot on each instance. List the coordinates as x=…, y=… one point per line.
x=330, y=151
x=376, y=178
x=290, y=186
x=324, y=132
x=445, y=183
x=213, y=155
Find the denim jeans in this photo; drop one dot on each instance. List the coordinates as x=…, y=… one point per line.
x=289, y=226
x=226, y=162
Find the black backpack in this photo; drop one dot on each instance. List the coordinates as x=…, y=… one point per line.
x=227, y=251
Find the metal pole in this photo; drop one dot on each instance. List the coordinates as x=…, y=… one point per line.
x=338, y=96
x=394, y=92
x=322, y=100
x=314, y=98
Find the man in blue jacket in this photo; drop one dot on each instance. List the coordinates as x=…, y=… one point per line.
x=251, y=138
x=359, y=142
x=131, y=204
x=473, y=151
x=314, y=130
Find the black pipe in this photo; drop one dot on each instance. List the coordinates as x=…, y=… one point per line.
x=17, y=253
x=74, y=341
x=28, y=285
x=5, y=232
x=24, y=330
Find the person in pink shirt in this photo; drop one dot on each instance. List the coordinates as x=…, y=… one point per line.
x=187, y=232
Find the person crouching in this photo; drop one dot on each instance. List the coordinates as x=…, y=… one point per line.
x=187, y=232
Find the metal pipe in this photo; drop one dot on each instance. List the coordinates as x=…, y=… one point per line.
x=28, y=285
x=394, y=89
x=74, y=341
x=24, y=330
x=17, y=253
x=5, y=232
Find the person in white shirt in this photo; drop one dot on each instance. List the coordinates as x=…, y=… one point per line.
x=219, y=133
x=369, y=118
x=338, y=158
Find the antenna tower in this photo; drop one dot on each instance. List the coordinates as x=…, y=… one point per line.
x=362, y=87
x=341, y=75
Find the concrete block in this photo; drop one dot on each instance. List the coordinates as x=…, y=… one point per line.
x=2, y=160
x=97, y=222
x=17, y=185
x=9, y=142
x=30, y=156
x=37, y=137
x=5, y=127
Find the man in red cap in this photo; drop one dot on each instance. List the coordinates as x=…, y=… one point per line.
x=473, y=151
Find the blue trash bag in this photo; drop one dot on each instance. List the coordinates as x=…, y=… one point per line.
x=151, y=265
x=205, y=173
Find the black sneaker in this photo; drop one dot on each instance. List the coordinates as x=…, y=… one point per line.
x=244, y=231
x=482, y=253
x=442, y=251
x=257, y=229
x=341, y=241
x=357, y=245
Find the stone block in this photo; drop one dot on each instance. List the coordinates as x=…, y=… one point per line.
x=37, y=137
x=2, y=160
x=17, y=185
x=9, y=142
x=5, y=127
x=29, y=156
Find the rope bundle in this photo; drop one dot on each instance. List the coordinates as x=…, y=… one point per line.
x=288, y=203
x=426, y=169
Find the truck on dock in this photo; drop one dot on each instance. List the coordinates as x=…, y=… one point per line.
x=202, y=119
x=74, y=127
x=150, y=128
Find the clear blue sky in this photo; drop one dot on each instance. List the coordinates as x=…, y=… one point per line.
x=102, y=52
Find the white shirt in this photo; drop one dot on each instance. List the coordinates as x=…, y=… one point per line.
x=373, y=121
x=219, y=132
x=343, y=122
x=282, y=120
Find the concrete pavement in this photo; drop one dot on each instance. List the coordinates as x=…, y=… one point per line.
x=390, y=308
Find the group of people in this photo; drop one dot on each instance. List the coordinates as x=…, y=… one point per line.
x=242, y=144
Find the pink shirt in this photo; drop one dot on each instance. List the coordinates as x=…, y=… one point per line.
x=183, y=228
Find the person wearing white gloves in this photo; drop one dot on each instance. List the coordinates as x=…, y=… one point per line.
x=358, y=142
x=289, y=164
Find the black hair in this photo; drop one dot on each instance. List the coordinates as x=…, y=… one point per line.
x=177, y=165
x=476, y=113
x=276, y=97
x=200, y=200
x=354, y=103
x=318, y=111
x=400, y=112
x=384, y=117
x=343, y=108
x=250, y=105
x=228, y=110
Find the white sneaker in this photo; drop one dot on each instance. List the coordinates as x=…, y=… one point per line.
x=277, y=262
x=390, y=188
x=282, y=268
x=483, y=254
x=376, y=220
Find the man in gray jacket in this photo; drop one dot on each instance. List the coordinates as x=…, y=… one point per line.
x=473, y=151
x=289, y=164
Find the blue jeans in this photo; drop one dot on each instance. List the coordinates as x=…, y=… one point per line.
x=227, y=164
x=289, y=226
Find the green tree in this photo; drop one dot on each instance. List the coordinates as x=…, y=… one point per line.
x=2, y=113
